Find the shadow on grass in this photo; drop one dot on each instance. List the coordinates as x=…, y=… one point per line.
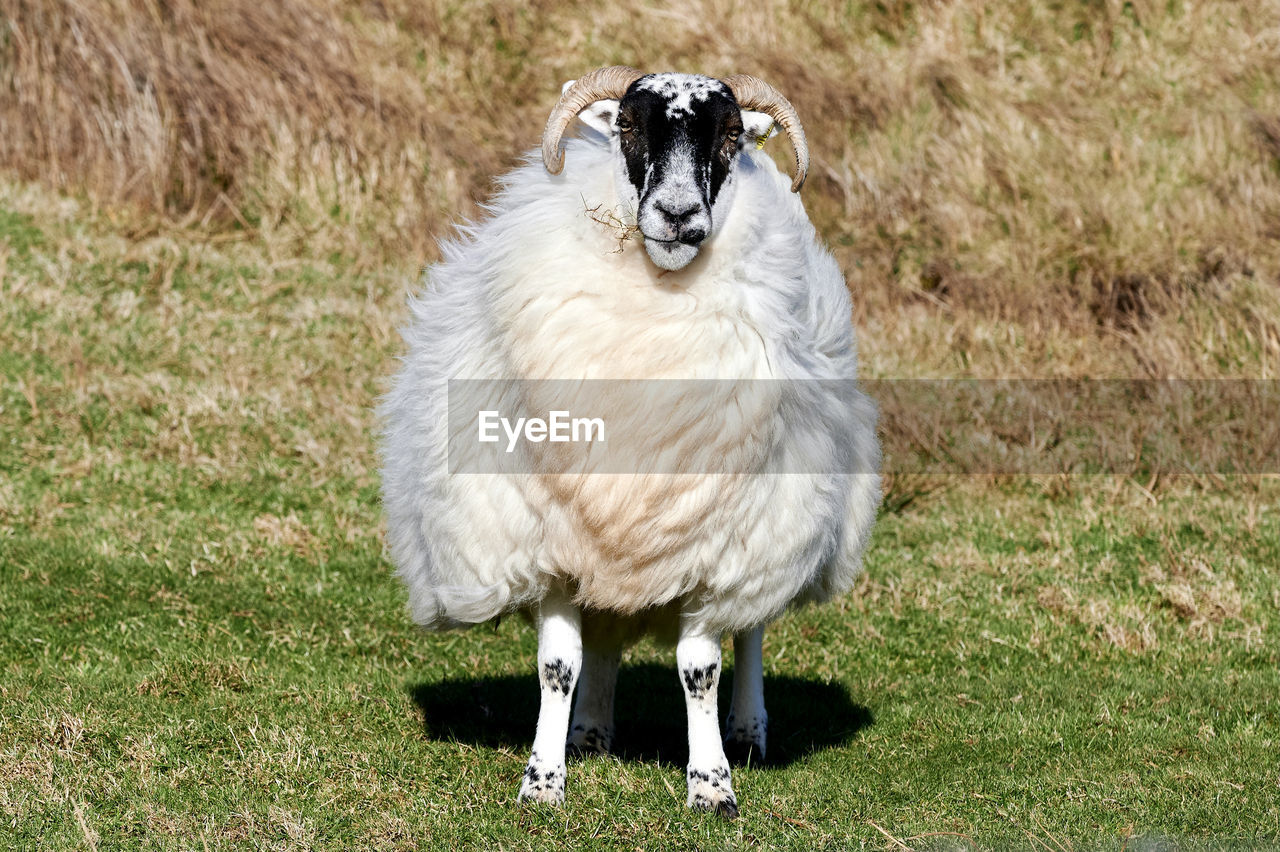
x=805, y=716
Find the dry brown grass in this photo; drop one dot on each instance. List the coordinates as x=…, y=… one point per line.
x=1012, y=189
x=284, y=116
x=168, y=103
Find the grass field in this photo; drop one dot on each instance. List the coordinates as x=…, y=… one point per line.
x=202, y=645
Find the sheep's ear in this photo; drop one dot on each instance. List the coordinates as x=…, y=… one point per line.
x=599, y=116
x=757, y=126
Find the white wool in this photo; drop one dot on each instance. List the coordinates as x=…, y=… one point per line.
x=539, y=290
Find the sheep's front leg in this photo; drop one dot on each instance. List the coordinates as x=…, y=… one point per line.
x=592, y=729
x=747, y=727
x=559, y=661
x=698, y=659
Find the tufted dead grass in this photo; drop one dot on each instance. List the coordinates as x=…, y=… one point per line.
x=1014, y=189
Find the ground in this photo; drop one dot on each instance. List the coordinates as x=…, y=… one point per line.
x=203, y=642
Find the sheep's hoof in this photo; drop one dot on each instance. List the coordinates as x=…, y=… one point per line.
x=542, y=784
x=709, y=790
x=588, y=741
x=745, y=743
x=726, y=808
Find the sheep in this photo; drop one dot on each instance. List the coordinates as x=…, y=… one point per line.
x=668, y=248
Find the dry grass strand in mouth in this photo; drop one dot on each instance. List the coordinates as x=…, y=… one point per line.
x=616, y=225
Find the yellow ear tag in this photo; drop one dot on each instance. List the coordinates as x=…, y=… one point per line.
x=764, y=137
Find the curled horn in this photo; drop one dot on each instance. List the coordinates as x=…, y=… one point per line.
x=611, y=82
x=753, y=93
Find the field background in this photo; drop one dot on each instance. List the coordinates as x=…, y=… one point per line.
x=210, y=215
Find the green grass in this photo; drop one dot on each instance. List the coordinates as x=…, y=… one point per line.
x=203, y=645
x=200, y=688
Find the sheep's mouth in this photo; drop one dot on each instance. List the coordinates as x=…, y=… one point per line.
x=668, y=245
x=693, y=240
x=670, y=254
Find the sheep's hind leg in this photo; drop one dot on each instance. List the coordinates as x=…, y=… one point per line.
x=592, y=728
x=698, y=659
x=559, y=661
x=747, y=727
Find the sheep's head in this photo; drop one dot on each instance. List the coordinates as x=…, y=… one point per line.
x=676, y=139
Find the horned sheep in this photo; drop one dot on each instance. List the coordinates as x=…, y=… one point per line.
x=659, y=244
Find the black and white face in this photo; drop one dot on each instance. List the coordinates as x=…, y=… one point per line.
x=676, y=138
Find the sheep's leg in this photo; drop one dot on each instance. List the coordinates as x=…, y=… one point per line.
x=748, y=724
x=559, y=661
x=698, y=659
x=592, y=728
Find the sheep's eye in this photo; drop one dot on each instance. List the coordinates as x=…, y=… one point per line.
x=625, y=126
x=734, y=134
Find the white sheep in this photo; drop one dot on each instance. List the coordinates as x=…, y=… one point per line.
x=731, y=286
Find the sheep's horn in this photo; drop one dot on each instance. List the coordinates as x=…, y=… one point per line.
x=753, y=93
x=611, y=82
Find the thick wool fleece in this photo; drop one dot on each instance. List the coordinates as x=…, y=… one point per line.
x=540, y=290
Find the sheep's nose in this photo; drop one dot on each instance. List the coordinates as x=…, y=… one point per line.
x=677, y=212
x=686, y=220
